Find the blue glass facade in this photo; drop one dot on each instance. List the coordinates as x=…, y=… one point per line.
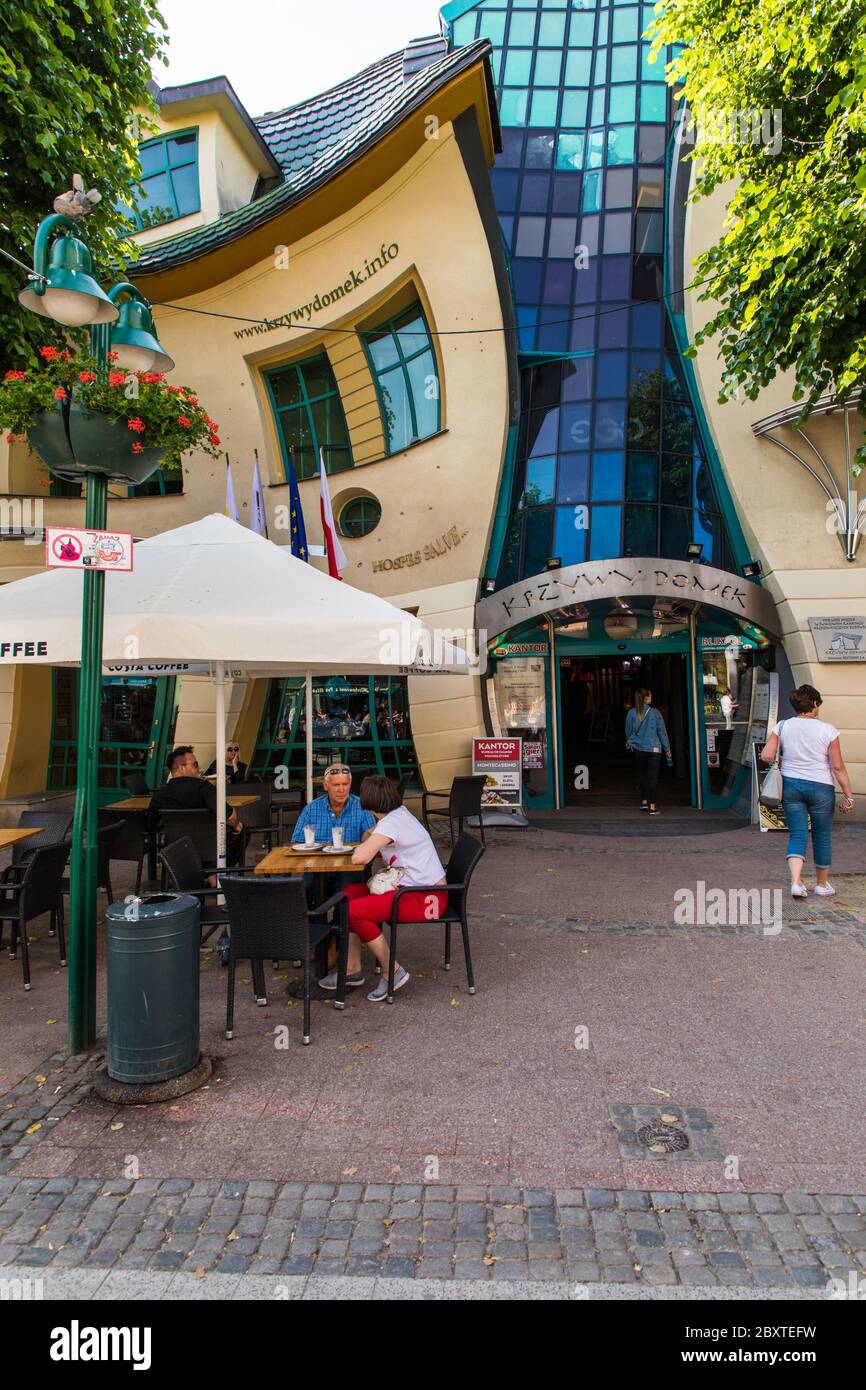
x=610, y=458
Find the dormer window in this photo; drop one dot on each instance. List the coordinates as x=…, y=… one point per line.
x=169, y=179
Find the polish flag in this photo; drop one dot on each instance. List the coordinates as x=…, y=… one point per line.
x=336, y=555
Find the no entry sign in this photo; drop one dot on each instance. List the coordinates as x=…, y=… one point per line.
x=68, y=548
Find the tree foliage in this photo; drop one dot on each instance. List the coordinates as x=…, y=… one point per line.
x=788, y=274
x=72, y=72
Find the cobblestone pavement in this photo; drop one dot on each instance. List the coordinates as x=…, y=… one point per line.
x=755, y=1241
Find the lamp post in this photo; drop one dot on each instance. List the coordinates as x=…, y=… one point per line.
x=63, y=288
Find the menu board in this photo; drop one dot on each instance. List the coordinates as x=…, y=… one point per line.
x=499, y=761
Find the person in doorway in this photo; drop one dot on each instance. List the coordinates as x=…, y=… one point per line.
x=811, y=759
x=647, y=737
x=405, y=844
x=727, y=704
x=186, y=790
x=236, y=771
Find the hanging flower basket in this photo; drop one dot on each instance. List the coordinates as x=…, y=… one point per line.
x=73, y=441
x=83, y=419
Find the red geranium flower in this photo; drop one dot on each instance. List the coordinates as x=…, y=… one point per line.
x=183, y=420
x=15, y=376
x=60, y=394
x=137, y=448
x=87, y=376
x=135, y=424
x=215, y=439
x=117, y=378
x=10, y=439
x=193, y=400
x=50, y=354
x=112, y=357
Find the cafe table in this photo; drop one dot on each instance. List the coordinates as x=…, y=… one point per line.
x=285, y=860
x=142, y=803
x=14, y=837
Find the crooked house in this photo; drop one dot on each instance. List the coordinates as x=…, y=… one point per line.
x=462, y=277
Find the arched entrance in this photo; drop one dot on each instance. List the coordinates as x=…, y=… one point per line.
x=570, y=646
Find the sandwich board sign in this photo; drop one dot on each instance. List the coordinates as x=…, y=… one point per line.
x=500, y=762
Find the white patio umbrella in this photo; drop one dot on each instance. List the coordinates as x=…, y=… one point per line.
x=213, y=596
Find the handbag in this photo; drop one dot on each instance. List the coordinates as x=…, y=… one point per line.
x=772, y=786
x=385, y=881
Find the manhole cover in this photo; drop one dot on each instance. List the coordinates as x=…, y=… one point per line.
x=661, y=1138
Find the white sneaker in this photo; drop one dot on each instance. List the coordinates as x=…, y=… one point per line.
x=799, y=890
x=825, y=890
x=401, y=978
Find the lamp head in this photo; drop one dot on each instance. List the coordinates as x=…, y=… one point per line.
x=134, y=339
x=68, y=292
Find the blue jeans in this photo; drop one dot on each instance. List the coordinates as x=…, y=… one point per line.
x=802, y=799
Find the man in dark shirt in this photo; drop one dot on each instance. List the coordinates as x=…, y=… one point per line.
x=187, y=791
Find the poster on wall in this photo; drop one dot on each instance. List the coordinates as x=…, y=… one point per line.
x=500, y=762
x=520, y=693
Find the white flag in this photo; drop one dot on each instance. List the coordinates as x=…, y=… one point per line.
x=337, y=561
x=231, y=507
x=258, y=514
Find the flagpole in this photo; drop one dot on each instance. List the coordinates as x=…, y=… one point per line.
x=309, y=709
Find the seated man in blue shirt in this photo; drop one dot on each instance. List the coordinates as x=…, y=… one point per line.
x=337, y=807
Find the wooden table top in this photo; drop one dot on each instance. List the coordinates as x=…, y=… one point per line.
x=14, y=837
x=142, y=803
x=284, y=860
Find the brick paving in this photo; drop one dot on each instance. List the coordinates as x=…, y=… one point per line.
x=753, y=1043
x=792, y=1240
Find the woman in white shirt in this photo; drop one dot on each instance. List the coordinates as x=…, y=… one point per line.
x=404, y=844
x=811, y=759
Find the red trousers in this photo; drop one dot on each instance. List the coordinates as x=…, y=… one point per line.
x=367, y=911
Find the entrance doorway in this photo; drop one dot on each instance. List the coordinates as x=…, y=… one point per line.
x=596, y=693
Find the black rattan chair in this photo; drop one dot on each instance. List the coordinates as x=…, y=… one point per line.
x=256, y=817
x=136, y=784
x=270, y=921
x=464, y=799
x=108, y=835
x=39, y=889
x=403, y=784
x=184, y=872
x=200, y=828
x=458, y=874
x=130, y=842
x=55, y=826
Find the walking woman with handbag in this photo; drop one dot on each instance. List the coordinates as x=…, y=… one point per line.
x=647, y=737
x=811, y=757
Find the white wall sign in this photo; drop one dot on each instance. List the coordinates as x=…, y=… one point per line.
x=69, y=548
x=839, y=639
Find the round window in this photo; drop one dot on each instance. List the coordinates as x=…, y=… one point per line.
x=360, y=516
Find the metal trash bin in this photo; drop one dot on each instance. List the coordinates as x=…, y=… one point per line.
x=152, y=948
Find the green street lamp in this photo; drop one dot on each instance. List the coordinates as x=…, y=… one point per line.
x=63, y=288
x=133, y=337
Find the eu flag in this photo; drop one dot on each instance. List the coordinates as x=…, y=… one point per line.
x=297, y=530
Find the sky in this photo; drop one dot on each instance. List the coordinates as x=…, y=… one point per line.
x=278, y=52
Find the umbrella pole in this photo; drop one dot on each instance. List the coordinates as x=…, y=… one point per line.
x=309, y=723
x=221, y=764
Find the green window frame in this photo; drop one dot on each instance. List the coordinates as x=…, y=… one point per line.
x=402, y=360
x=359, y=517
x=383, y=743
x=308, y=410
x=166, y=163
